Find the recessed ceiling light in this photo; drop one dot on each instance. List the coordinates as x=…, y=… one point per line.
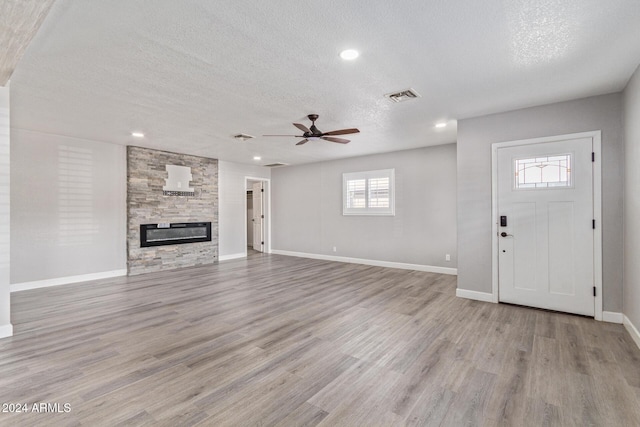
x=441, y=124
x=349, y=54
x=257, y=158
x=137, y=134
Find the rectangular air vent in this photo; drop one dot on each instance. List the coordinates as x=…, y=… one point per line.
x=275, y=165
x=403, y=95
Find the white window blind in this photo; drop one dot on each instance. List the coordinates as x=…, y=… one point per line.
x=356, y=193
x=368, y=193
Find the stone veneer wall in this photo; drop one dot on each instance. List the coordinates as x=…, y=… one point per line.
x=146, y=204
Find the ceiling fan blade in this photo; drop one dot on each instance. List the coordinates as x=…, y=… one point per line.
x=342, y=131
x=295, y=136
x=304, y=141
x=303, y=128
x=338, y=140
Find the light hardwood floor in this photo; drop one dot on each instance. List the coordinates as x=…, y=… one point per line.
x=286, y=341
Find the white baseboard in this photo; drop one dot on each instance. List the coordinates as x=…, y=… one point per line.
x=475, y=295
x=16, y=287
x=389, y=264
x=6, y=330
x=633, y=331
x=232, y=256
x=612, y=317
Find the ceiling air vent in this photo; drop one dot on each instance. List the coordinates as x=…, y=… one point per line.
x=275, y=165
x=243, y=136
x=403, y=95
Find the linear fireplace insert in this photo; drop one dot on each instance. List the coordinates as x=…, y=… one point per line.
x=174, y=233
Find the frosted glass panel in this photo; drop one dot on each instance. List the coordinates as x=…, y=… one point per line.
x=543, y=172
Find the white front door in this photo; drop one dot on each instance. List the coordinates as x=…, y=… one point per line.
x=258, y=217
x=545, y=225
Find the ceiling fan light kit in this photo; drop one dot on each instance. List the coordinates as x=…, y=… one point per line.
x=314, y=134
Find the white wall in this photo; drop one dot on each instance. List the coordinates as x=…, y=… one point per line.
x=475, y=137
x=68, y=211
x=307, y=209
x=5, y=223
x=233, y=194
x=632, y=200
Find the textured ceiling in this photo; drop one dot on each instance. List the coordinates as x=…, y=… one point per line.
x=19, y=22
x=190, y=74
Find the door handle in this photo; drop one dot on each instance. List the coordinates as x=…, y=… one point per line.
x=503, y=234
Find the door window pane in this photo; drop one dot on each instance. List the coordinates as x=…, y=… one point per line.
x=543, y=172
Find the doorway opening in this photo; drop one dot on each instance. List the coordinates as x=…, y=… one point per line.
x=258, y=217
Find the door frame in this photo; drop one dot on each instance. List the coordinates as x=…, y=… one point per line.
x=596, y=137
x=267, y=212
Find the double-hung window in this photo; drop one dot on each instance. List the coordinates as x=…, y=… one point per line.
x=368, y=193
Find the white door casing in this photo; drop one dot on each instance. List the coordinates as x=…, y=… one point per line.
x=258, y=217
x=548, y=255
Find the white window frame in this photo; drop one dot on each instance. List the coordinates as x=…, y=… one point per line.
x=366, y=176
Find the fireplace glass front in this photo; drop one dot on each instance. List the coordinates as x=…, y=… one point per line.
x=174, y=233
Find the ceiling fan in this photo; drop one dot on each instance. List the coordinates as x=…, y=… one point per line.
x=314, y=134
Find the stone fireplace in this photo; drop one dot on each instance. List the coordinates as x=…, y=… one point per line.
x=160, y=222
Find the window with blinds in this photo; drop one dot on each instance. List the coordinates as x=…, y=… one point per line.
x=368, y=193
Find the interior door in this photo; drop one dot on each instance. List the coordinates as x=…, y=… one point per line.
x=545, y=225
x=250, y=219
x=258, y=217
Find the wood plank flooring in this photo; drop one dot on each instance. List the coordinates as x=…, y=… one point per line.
x=284, y=341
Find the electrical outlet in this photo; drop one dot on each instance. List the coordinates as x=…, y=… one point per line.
x=447, y=257
x=335, y=249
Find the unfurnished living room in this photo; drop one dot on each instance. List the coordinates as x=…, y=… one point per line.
x=237, y=213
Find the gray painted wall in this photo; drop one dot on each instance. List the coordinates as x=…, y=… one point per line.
x=5, y=223
x=307, y=209
x=632, y=200
x=68, y=208
x=475, y=137
x=37, y=252
x=233, y=196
